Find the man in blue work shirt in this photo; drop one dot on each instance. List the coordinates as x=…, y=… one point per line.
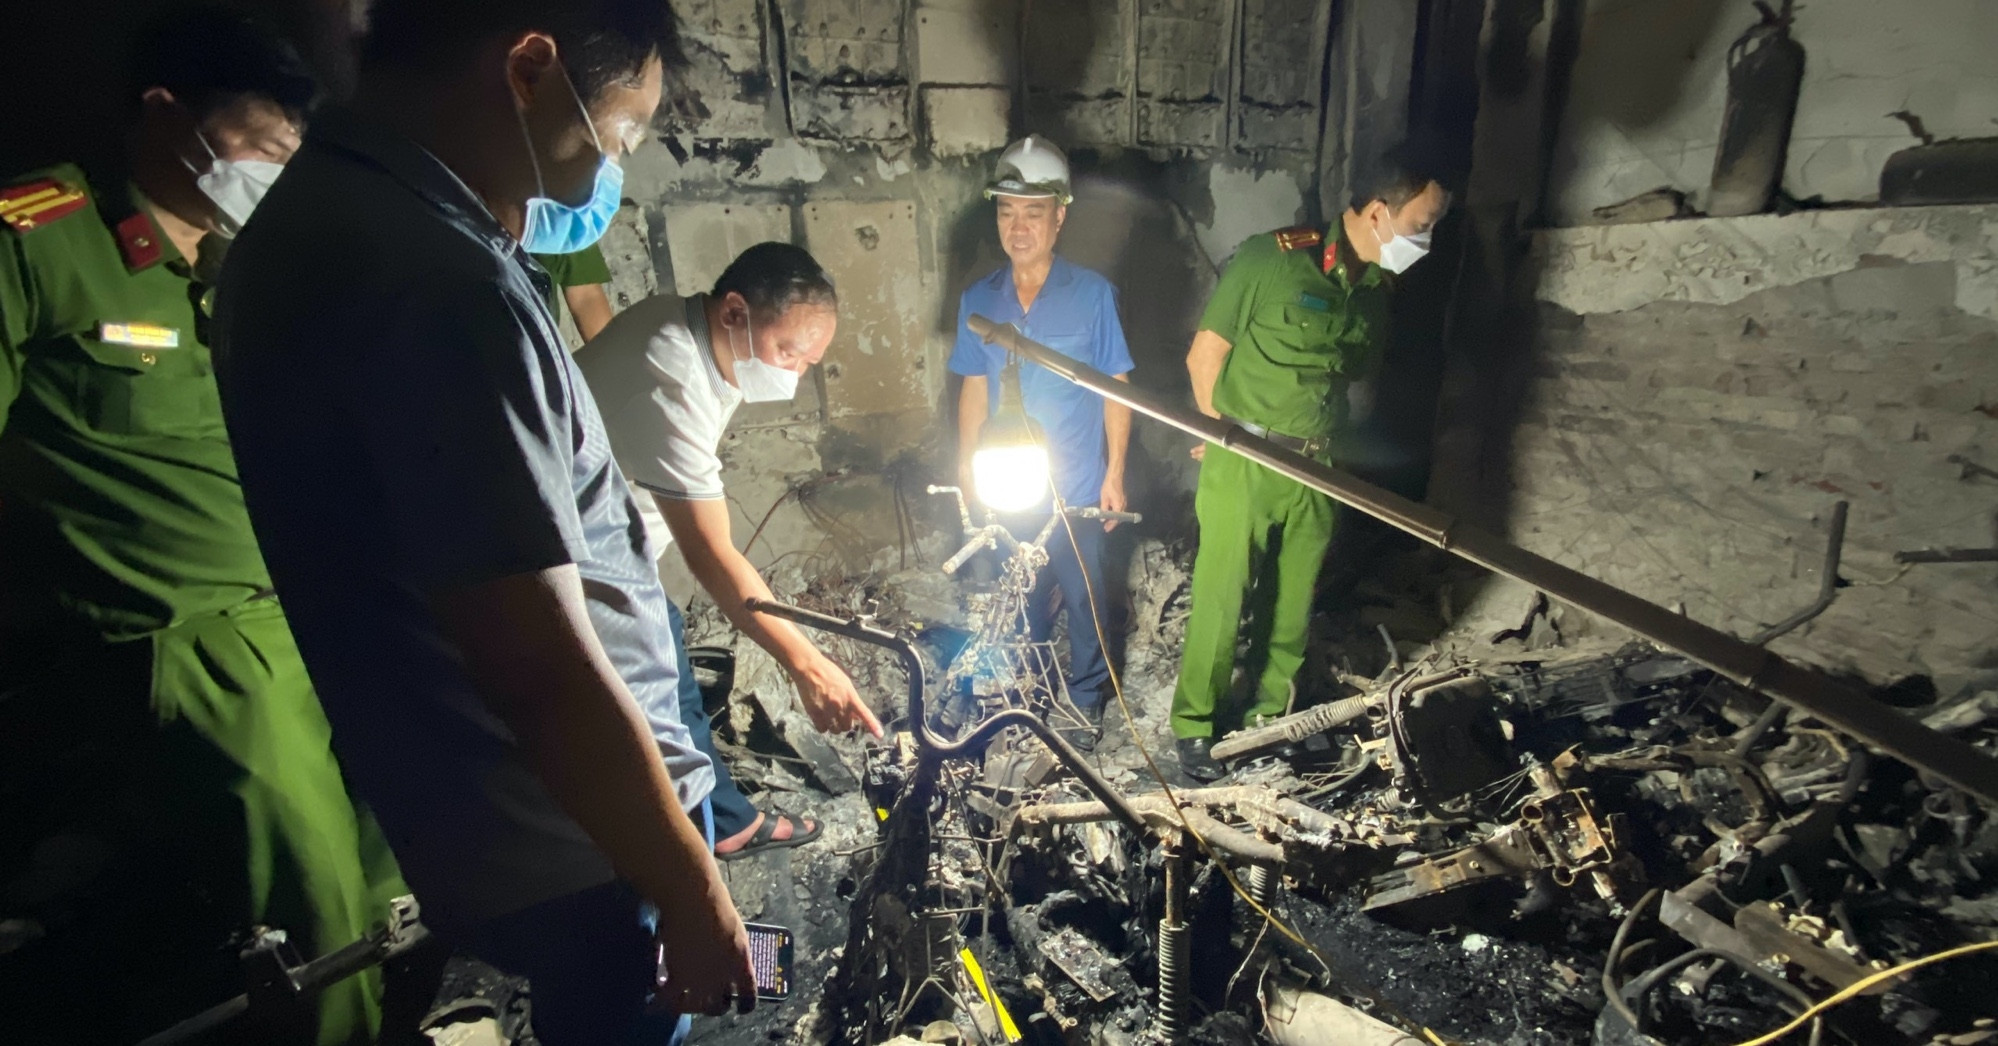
x=1073, y=311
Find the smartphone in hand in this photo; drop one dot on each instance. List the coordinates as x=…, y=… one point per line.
x=770, y=957
x=771, y=953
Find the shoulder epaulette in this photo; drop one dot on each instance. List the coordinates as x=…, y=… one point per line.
x=31, y=205
x=1298, y=237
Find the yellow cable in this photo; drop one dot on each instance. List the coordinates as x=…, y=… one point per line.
x=1859, y=986
x=1006, y=1026
x=1130, y=723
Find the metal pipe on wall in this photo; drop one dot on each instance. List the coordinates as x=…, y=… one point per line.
x=1955, y=761
x=1827, y=582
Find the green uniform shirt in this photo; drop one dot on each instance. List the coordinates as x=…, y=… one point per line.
x=578, y=269
x=1299, y=335
x=118, y=491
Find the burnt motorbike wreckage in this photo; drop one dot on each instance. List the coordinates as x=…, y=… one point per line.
x=1620, y=844
x=1606, y=843
x=1593, y=845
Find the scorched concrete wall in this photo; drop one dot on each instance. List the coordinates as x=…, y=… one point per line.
x=1689, y=399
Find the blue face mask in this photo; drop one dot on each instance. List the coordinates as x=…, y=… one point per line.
x=557, y=228
x=554, y=227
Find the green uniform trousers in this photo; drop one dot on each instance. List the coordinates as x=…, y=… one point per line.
x=315, y=866
x=218, y=806
x=1260, y=533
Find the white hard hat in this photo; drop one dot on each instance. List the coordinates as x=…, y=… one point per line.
x=1032, y=166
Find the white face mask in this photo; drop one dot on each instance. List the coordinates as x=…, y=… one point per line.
x=235, y=186
x=1401, y=252
x=758, y=381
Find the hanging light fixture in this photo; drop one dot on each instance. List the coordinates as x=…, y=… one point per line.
x=1010, y=470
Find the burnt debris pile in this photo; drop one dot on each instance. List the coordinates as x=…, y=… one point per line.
x=1486, y=844
x=1540, y=836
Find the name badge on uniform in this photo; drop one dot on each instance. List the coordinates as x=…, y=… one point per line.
x=139, y=335
x=1314, y=304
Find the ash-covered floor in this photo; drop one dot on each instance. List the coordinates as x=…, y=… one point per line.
x=1460, y=856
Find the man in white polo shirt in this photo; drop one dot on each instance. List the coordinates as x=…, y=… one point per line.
x=668, y=374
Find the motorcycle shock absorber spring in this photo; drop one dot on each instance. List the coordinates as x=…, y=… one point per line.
x=1261, y=882
x=1175, y=983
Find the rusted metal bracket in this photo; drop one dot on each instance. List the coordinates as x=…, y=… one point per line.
x=1505, y=854
x=1558, y=832
x=1578, y=841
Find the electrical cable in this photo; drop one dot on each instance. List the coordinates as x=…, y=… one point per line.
x=1130, y=724
x=789, y=491
x=1859, y=987
x=1347, y=778
x=1611, y=994
x=1642, y=985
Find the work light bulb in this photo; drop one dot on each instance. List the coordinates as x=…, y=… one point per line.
x=1011, y=478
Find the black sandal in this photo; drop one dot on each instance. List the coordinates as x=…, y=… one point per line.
x=765, y=836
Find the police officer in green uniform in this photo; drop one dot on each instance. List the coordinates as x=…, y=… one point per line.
x=165, y=770
x=577, y=280
x=1299, y=316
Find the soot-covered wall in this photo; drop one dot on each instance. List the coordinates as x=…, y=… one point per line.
x=865, y=130
x=1676, y=405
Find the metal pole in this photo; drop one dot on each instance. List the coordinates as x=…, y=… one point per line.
x=1948, y=555
x=306, y=981
x=1827, y=583
x=1953, y=760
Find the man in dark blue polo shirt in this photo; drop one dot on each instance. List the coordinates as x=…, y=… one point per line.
x=431, y=486
x=1073, y=311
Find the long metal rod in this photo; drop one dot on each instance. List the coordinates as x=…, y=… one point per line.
x=306, y=981
x=1955, y=761
x=912, y=665
x=1948, y=555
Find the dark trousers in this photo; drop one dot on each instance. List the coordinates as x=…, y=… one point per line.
x=732, y=812
x=590, y=964
x=158, y=796
x=1076, y=578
